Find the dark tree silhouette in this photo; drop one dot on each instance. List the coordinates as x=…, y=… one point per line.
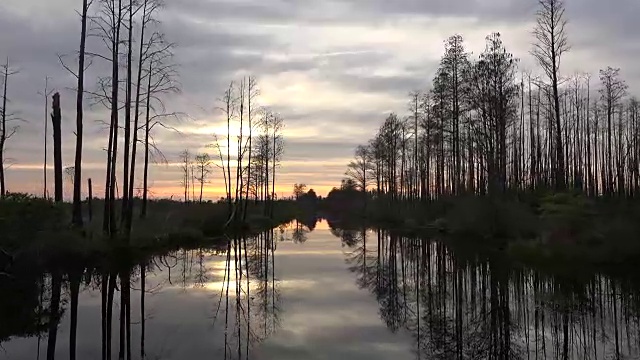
x=299, y=190
x=56, y=119
x=493, y=96
x=6, y=130
x=185, y=166
x=77, y=183
x=551, y=43
x=203, y=164
x=108, y=25
x=483, y=129
x=359, y=170
x=612, y=91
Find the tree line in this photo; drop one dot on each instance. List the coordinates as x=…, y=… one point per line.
x=487, y=128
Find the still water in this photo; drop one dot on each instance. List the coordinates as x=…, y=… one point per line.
x=315, y=292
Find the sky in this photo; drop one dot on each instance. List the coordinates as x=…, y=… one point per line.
x=333, y=69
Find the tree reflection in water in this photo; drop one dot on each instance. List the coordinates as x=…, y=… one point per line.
x=456, y=302
x=246, y=306
x=461, y=305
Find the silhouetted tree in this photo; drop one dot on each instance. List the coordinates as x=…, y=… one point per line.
x=127, y=119
x=45, y=94
x=275, y=123
x=612, y=91
x=160, y=79
x=359, y=170
x=493, y=96
x=299, y=190
x=203, y=164
x=77, y=183
x=6, y=130
x=56, y=119
x=107, y=24
x=185, y=166
x=252, y=93
x=454, y=64
x=551, y=43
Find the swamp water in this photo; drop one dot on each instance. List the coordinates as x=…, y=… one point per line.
x=325, y=293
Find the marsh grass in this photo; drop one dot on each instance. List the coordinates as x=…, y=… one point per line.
x=539, y=229
x=41, y=229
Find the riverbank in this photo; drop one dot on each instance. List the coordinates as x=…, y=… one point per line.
x=40, y=231
x=554, y=228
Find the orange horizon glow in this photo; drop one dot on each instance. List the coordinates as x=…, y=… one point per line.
x=214, y=193
x=169, y=189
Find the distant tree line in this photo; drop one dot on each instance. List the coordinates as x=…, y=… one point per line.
x=485, y=128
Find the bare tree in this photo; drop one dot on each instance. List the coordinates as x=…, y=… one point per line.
x=107, y=26
x=161, y=75
x=56, y=119
x=299, y=190
x=77, y=184
x=69, y=178
x=221, y=165
x=612, y=91
x=277, y=143
x=551, y=43
x=229, y=109
x=360, y=168
x=185, y=167
x=155, y=75
x=6, y=131
x=259, y=161
x=127, y=118
x=414, y=108
x=145, y=55
x=493, y=97
x=45, y=94
x=252, y=93
x=203, y=163
x=193, y=182
x=455, y=63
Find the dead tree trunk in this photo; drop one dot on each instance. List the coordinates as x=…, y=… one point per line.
x=3, y=129
x=77, y=177
x=147, y=130
x=56, y=119
x=90, y=199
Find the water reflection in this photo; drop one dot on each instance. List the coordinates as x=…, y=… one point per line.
x=235, y=283
x=480, y=306
x=448, y=302
x=25, y=313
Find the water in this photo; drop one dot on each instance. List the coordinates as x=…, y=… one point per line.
x=327, y=294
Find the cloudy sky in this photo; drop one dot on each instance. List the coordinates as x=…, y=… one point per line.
x=332, y=68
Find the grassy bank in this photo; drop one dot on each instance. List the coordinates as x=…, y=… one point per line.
x=40, y=229
x=532, y=228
